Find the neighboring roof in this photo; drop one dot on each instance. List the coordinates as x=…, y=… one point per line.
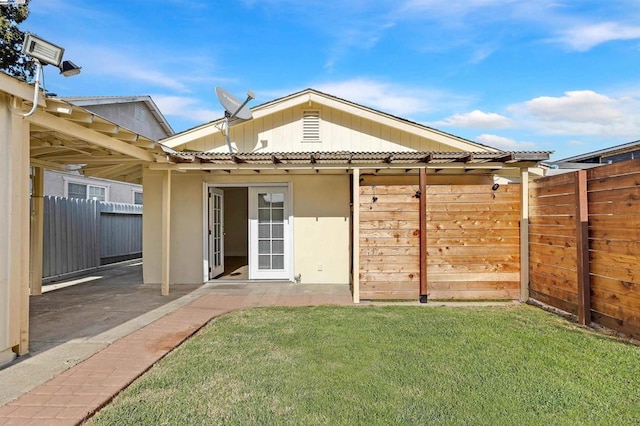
x=84, y=101
x=312, y=95
x=602, y=152
x=357, y=159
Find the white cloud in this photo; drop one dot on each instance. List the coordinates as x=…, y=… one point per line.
x=577, y=106
x=582, y=112
x=134, y=66
x=585, y=37
x=187, y=108
x=503, y=143
x=476, y=119
x=403, y=101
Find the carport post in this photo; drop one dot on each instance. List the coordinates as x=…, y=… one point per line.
x=355, y=274
x=166, y=231
x=37, y=230
x=524, y=234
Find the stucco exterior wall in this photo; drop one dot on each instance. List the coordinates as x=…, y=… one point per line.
x=320, y=225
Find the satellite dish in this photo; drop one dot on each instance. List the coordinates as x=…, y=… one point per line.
x=233, y=106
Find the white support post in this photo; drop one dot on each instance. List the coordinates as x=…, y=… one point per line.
x=166, y=232
x=524, y=235
x=356, y=236
x=37, y=230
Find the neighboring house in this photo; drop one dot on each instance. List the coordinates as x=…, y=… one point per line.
x=137, y=113
x=285, y=205
x=67, y=184
x=614, y=154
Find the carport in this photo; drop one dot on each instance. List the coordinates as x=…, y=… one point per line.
x=80, y=308
x=57, y=134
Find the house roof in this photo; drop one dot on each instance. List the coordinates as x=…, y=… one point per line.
x=315, y=96
x=602, y=152
x=84, y=101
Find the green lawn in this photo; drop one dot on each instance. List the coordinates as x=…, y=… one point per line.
x=388, y=365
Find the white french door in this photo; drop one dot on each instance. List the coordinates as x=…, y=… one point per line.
x=216, y=232
x=269, y=233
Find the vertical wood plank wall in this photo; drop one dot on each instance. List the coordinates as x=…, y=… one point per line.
x=472, y=242
x=613, y=194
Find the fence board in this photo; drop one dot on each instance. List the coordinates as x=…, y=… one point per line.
x=83, y=234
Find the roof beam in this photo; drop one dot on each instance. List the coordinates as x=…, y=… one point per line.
x=69, y=128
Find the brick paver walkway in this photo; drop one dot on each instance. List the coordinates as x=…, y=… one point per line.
x=75, y=395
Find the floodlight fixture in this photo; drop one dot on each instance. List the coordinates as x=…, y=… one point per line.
x=45, y=53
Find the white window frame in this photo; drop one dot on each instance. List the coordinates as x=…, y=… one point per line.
x=87, y=183
x=241, y=184
x=133, y=196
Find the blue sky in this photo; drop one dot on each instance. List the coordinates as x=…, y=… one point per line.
x=561, y=75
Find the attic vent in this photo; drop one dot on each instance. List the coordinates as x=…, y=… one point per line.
x=138, y=114
x=311, y=126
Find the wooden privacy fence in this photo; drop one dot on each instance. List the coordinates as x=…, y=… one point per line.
x=591, y=267
x=84, y=234
x=472, y=246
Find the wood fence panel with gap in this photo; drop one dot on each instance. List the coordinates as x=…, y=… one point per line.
x=612, y=275
x=553, y=275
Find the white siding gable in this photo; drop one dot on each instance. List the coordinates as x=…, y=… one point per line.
x=312, y=123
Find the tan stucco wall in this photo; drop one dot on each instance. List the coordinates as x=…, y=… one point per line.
x=320, y=226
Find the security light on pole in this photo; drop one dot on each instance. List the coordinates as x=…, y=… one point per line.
x=45, y=53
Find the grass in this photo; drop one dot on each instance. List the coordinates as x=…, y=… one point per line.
x=388, y=365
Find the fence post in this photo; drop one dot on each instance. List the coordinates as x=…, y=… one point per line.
x=582, y=247
x=524, y=235
x=423, y=234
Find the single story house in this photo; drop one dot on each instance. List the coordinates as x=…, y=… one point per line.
x=321, y=190
x=317, y=189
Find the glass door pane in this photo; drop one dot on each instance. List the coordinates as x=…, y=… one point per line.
x=216, y=232
x=269, y=223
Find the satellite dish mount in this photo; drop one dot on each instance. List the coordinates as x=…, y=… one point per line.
x=233, y=108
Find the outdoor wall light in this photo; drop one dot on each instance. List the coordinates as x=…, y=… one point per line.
x=45, y=53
